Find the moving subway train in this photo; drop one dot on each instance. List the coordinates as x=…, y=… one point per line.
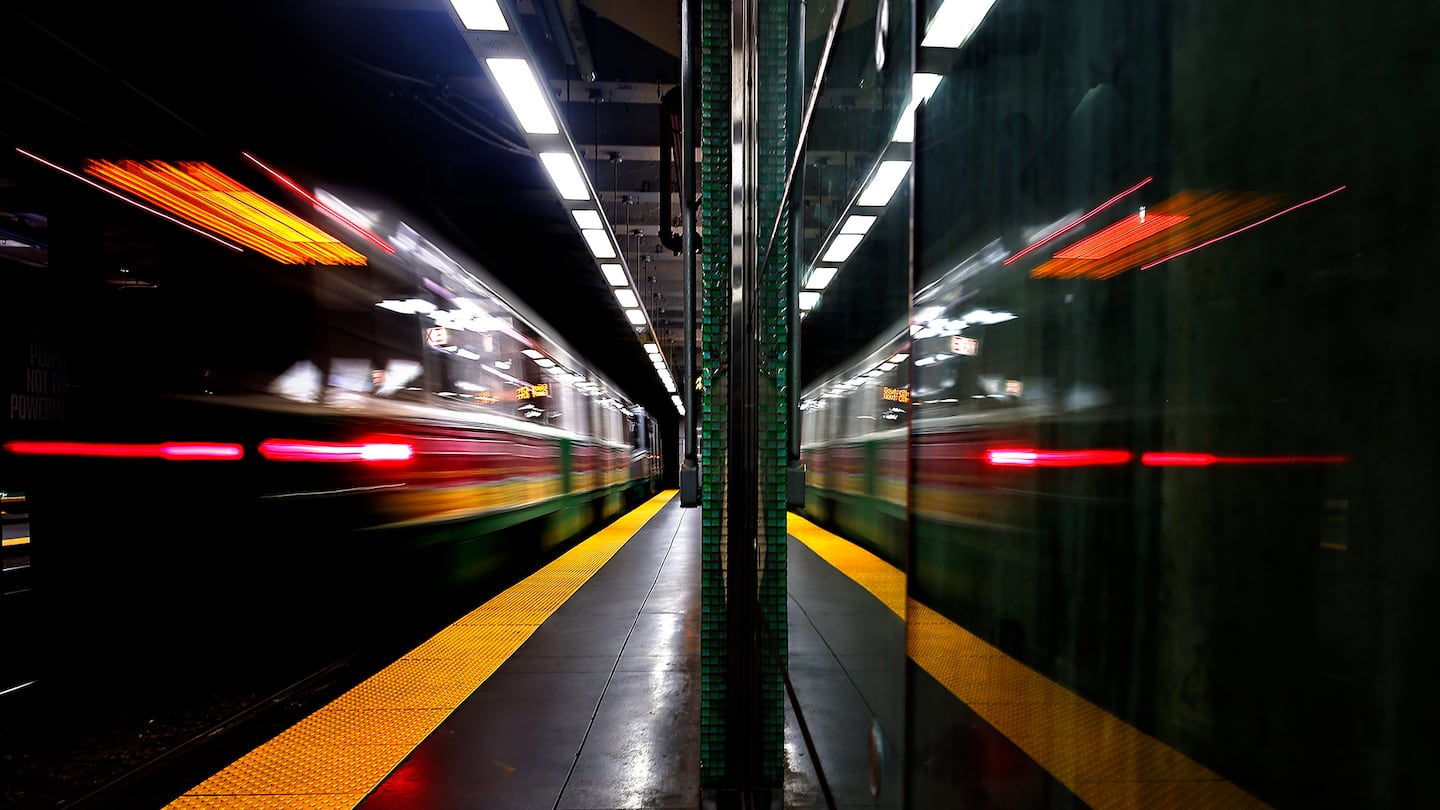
x=270, y=443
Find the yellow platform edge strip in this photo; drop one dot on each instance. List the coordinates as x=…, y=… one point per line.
x=1101, y=759
x=336, y=756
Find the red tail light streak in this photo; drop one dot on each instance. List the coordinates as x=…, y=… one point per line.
x=1206, y=459
x=1028, y=457
x=172, y=451
x=1031, y=457
x=297, y=450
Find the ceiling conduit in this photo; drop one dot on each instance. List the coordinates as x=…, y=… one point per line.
x=574, y=26
x=669, y=147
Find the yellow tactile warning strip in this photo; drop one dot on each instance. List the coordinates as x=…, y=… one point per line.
x=1098, y=757
x=335, y=757
x=16, y=541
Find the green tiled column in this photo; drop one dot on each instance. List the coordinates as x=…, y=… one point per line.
x=743, y=424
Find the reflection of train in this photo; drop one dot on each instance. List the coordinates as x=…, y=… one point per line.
x=214, y=433
x=1018, y=449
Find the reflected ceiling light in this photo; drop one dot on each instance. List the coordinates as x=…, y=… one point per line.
x=857, y=223
x=651, y=348
x=883, y=183
x=615, y=275
x=523, y=94
x=922, y=86
x=545, y=362
x=209, y=198
x=599, y=243
x=899, y=357
x=627, y=297
x=480, y=15
x=636, y=317
x=955, y=22
x=842, y=247
x=532, y=354
x=820, y=277
x=565, y=175
x=588, y=219
x=808, y=300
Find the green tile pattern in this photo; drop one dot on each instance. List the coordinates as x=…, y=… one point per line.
x=714, y=110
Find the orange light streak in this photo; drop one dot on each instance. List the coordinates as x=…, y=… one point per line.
x=207, y=197
x=1122, y=234
x=147, y=209
x=1203, y=215
x=1246, y=228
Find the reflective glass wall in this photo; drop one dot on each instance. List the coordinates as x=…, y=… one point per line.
x=1171, y=523
x=853, y=270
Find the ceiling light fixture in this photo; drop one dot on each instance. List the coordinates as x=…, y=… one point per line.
x=883, y=183
x=523, y=94
x=565, y=174
x=820, y=278
x=955, y=22
x=599, y=243
x=615, y=275
x=480, y=15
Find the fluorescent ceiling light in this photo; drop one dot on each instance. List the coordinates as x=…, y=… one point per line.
x=808, y=300
x=651, y=348
x=545, y=362
x=532, y=354
x=923, y=85
x=523, y=94
x=857, y=223
x=842, y=247
x=820, y=277
x=627, y=297
x=588, y=218
x=637, y=317
x=599, y=243
x=480, y=15
x=566, y=175
x=615, y=274
x=953, y=24
x=883, y=183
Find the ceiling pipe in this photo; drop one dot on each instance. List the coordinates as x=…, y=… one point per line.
x=574, y=26
x=670, y=129
x=558, y=33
